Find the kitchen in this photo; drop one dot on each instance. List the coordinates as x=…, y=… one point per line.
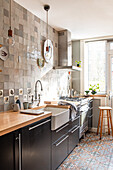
x=48, y=121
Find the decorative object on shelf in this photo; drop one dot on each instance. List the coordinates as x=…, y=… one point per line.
x=11, y=92
x=94, y=88
x=78, y=63
x=1, y=93
x=87, y=92
x=3, y=53
x=48, y=46
x=10, y=39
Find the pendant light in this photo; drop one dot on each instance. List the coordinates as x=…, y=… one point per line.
x=10, y=39
x=46, y=8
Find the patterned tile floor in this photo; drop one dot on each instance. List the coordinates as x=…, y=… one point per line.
x=91, y=154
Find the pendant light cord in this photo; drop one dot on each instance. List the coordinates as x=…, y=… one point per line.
x=47, y=24
x=10, y=15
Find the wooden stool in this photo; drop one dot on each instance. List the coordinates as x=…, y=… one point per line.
x=108, y=109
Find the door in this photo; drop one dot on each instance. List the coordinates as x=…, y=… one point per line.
x=36, y=146
x=7, y=152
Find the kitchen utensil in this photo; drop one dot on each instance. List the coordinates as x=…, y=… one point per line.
x=15, y=107
x=25, y=104
x=30, y=105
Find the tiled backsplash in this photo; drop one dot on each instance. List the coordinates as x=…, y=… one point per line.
x=20, y=70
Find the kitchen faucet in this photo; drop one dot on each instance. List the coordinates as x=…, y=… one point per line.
x=36, y=91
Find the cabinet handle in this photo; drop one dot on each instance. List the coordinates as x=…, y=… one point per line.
x=62, y=128
x=90, y=116
x=91, y=108
x=62, y=140
x=39, y=124
x=19, y=151
x=75, y=129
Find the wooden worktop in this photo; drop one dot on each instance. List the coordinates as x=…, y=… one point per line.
x=11, y=121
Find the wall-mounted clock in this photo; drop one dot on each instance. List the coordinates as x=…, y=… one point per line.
x=48, y=50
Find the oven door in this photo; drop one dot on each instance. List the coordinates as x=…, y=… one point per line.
x=83, y=118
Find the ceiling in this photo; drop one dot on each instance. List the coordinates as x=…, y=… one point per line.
x=84, y=18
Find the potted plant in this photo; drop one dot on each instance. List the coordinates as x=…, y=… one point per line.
x=94, y=88
x=78, y=63
x=87, y=92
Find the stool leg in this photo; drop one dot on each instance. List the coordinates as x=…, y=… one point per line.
x=108, y=122
x=99, y=122
x=111, y=122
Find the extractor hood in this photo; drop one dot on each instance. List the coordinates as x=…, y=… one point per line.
x=65, y=52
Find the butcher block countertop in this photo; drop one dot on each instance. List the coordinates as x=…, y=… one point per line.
x=11, y=121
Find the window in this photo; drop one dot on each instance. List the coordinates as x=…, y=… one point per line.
x=95, y=65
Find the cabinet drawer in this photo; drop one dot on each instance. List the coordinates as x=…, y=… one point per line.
x=73, y=138
x=74, y=122
x=59, y=151
x=60, y=132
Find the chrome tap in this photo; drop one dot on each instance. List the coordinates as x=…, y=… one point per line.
x=36, y=90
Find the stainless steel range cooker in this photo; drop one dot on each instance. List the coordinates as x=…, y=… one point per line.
x=82, y=106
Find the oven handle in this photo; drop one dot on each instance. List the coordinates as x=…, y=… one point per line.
x=83, y=112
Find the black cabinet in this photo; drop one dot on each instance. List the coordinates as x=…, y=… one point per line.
x=36, y=146
x=7, y=152
x=59, y=151
x=74, y=134
x=90, y=115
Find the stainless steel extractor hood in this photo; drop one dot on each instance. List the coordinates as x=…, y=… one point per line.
x=65, y=52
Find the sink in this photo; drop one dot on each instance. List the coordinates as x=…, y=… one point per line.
x=60, y=116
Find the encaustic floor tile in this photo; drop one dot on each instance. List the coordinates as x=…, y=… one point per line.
x=91, y=154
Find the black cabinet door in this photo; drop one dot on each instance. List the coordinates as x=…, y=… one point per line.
x=59, y=151
x=7, y=152
x=73, y=138
x=36, y=146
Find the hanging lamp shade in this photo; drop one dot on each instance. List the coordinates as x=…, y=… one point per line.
x=10, y=40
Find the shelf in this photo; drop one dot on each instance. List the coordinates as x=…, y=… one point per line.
x=68, y=68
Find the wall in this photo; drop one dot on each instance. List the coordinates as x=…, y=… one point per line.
x=76, y=57
x=20, y=70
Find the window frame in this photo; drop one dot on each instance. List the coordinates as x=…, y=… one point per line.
x=106, y=68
